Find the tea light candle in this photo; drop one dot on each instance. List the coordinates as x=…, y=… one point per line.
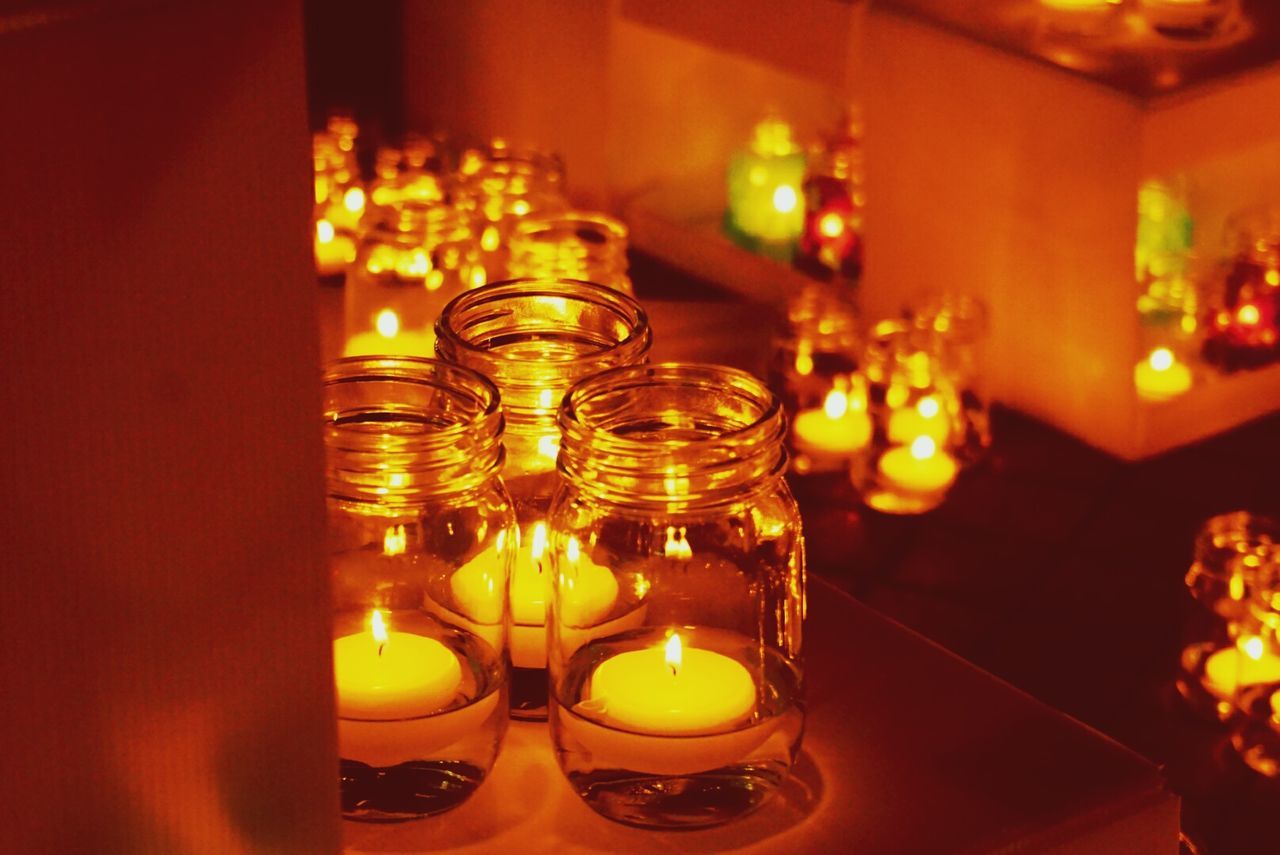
x=765, y=181
x=1249, y=663
x=588, y=594
x=1161, y=376
x=926, y=418
x=388, y=338
x=672, y=691
x=333, y=251
x=837, y=429
x=919, y=468
x=386, y=675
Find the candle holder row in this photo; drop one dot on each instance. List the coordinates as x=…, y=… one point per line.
x=541, y=520
x=899, y=410
x=1229, y=667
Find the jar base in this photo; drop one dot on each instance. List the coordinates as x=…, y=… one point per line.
x=407, y=791
x=684, y=801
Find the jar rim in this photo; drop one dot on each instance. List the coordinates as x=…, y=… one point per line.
x=637, y=320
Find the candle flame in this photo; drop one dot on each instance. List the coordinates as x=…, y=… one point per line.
x=1248, y=315
x=379, y=629
x=538, y=545
x=785, y=199
x=674, y=653
x=549, y=446
x=394, y=541
x=677, y=546
x=324, y=231
x=1253, y=647
x=928, y=407
x=353, y=200
x=836, y=404
x=1161, y=359
x=923, y=447
x=831, y=225
x=387, y=323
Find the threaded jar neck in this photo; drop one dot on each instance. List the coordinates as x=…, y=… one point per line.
x=534, y=338
x=677, y=435
x=402, y=430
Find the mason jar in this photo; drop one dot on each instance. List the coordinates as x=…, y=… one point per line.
x=534, y=338
x=421, y=541
x=1256, y=731
x=1220, y=635
x=412, y=258
x=571, y=245
x=679, y=601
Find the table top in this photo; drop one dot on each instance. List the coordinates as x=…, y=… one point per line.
x=907, y=749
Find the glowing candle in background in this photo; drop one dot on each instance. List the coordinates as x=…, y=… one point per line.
x=388, y=338
x=840, y=428
x=333, y=251
x=764, y=181
x=1161, y=376
x=920, y=467
x=927, y=418
x=1248, y=663
x=672, y=690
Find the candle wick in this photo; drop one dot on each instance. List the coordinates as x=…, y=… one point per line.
x=674, y=673
x=380, y=646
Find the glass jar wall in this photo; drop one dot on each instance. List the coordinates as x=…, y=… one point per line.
x=679, y=596
x=534, y=338
x=571, y=245
x=421, y=535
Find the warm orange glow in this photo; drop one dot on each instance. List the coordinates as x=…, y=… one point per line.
x=677, y=546
x=1273, y=277
x=538, y=543
x=674, y=653
x=549, y=447
x=353, y=200
x=1248, y=315
x=831, y=225
x=378, y=627
x=324, y=231
x=520, y=207
x=1253, y=647
x=387, y=323
x=923, y=447
x=772, y=138
x=928, y=407
x=415, y=264
x=804, y=362
x=1161, y=359
x=836, y=404
x=571, y=550
x=394, y=541
x=785, y=199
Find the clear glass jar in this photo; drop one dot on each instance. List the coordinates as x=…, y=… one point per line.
x=921, y=431
x=420, y=533
x=765, y=210
x=1256, y=735
x=339, y=201
x=1229, y=550
x=499, y=185
x=1243, y=329
x=955, y=327
x=412, y=259
x=534, y=338
x=814, y=373
x=571, y=245
x=679, y=596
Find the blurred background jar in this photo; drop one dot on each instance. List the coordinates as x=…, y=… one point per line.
x=813, y=371
x=1243, y=326
x=1256, y=735
x=571, y=245
x=413, y=257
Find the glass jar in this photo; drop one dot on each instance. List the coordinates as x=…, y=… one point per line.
x=679, y=596
x=954, y=327
x=421, y=534
x=765, y=210
x=499, y=185
x=1256, y=735
x=920, y=429
x=1229, y=549
x=834, y=200
x=814, y=373
x=339, y=201
x=1243, y=329
x=412, y=259
x=534, y=338
x=571, y=245
x=413, y=169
